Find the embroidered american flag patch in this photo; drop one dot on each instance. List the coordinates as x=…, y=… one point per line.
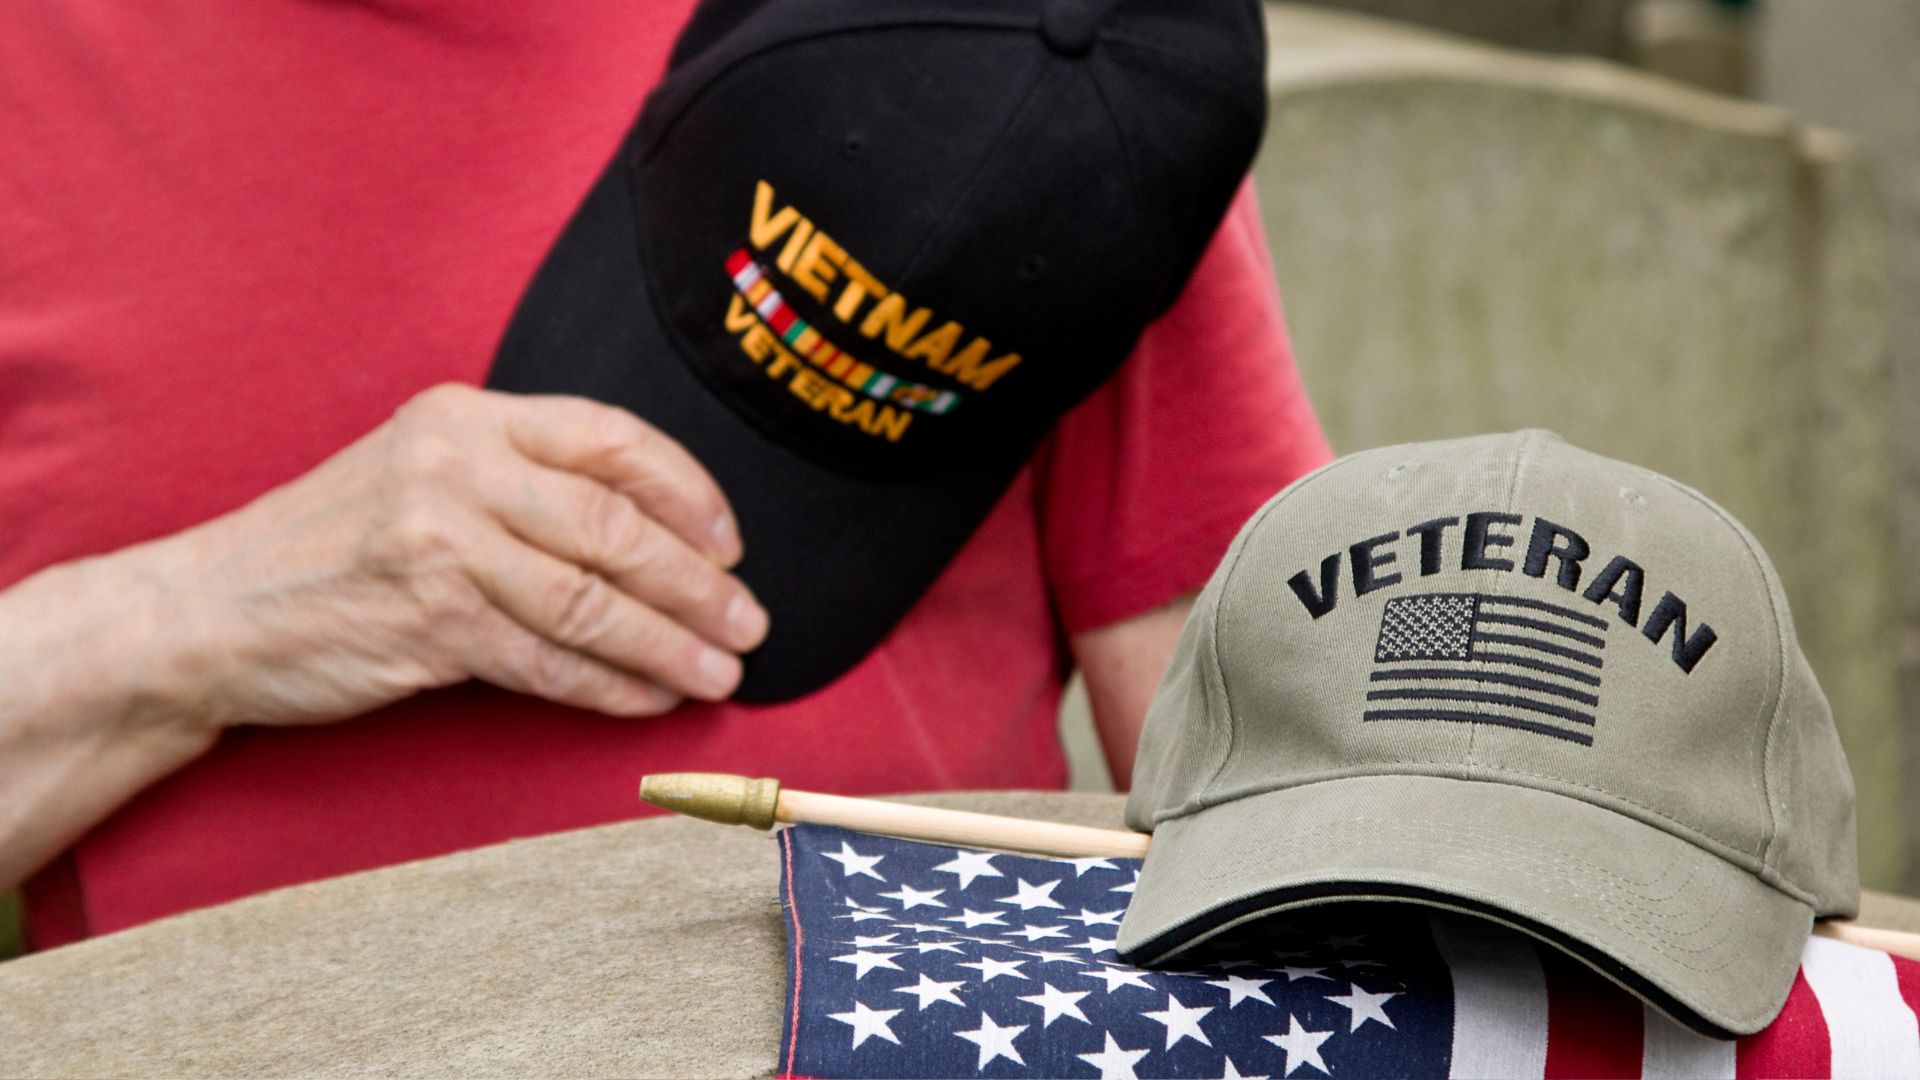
x=1506, y=661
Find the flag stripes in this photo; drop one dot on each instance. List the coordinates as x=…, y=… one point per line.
x=1861, y=1002
x=1516, y=1014
x=1499, y=999
x=1512, y=660
x=1575, y=655
x=1793, y=1047
x=1544, y=627
x=1846, y=1017
x=1673, y=1051
x=1527, y=703
x=1495, y=677
x=1592, y=1028
x=1583, y=617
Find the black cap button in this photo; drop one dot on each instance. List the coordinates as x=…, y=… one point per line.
x=1068, y=26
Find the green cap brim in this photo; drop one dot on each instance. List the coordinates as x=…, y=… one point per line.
x=1696, y=936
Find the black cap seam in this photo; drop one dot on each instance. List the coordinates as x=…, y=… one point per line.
x=1044, y=70
x=1230, y=87
x=1127, y=161
x=1229, y=564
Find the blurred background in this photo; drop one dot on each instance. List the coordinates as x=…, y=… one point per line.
x=1685, y=233
x=1681, y=232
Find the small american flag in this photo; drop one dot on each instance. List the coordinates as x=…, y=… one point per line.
x=1500, y=660
x=913, y=960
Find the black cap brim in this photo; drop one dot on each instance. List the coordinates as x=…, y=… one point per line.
x=836, y=559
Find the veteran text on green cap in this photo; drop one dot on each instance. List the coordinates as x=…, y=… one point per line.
x=1506, y=676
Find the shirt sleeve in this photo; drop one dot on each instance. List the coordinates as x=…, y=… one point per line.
x=1144, y=484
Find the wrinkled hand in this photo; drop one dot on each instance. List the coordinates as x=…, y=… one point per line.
x=549, y=545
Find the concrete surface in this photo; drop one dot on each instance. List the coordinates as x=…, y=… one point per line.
x=1859, y=73
x=1592, y=27
x=1469, y=239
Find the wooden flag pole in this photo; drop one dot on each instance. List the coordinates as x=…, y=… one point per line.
x=961, y=827
x=737, y=800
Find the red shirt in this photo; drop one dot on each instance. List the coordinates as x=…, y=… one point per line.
x=234, y=237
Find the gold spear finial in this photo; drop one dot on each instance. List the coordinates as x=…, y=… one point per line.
x=721, y=797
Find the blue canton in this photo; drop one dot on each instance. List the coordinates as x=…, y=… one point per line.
x=917, y=960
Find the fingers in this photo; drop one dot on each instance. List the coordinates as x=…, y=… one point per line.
x=631, y=456
x=580, y=611
x=518, y=659
x=590, y=525
x=589, y=547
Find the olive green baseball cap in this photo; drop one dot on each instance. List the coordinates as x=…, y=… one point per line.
x=1510, y=677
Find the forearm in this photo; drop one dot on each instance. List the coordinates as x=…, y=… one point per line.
x=91, y=710
x=550, y=545
x=1123, y=664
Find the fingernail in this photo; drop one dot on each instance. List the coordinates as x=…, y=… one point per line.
x=726, y=538
x=719, y=671
x=746, y=620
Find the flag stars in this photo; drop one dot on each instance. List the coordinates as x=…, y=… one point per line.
x=969, y=865
x=1044, y=942
x=1116, y=977
x=970, y=918
x=1033, y=894
x=1293, y=973
x=994, y=1041
x=1182, y=1021
x=1363, y=1006
x=930, y=992
x=868, y=1023
x=1081, y=866
x=1302, y=1047
x=911, y=897
x=922, y=928
x=1113, y=1062
x=991, y=969
x=1239, y=988
x=1055, y=1003
x=1096, y=945
x=862, y=913
x=852, y=862
x=864, y=961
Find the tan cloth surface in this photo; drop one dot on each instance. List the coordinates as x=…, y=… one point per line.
x=1889, y=911
x=650, y=948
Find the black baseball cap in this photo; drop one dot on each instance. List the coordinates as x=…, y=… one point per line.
x=859, y=255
